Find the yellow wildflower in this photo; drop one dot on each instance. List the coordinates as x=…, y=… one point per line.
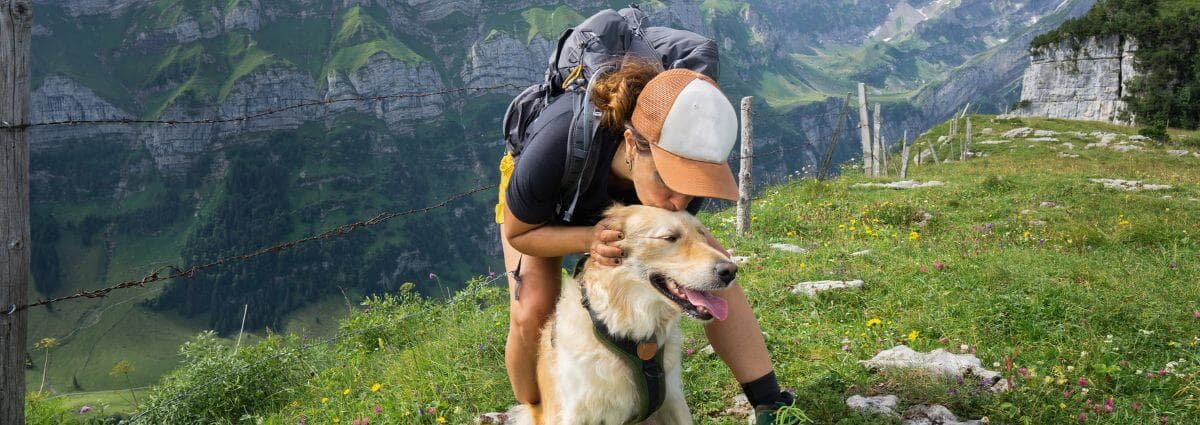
x=912, y=336
x=1062, y=405
x=913, y=235
x=324, y=400
x=441, y=419
x=873, y=322
x=375, y=388
x=346, y=391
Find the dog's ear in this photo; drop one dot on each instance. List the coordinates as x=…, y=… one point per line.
x=617, y=215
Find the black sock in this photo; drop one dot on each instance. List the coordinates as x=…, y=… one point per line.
x=763, y=391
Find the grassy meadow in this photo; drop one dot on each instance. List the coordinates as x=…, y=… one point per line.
x=1084, y=297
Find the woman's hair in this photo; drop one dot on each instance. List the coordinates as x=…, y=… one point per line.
x=615, y=94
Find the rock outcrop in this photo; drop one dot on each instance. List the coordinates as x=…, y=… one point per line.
x=1079, y=80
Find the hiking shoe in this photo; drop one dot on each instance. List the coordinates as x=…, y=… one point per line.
x=764, y=414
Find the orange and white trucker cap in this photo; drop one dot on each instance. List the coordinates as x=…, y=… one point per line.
x=691, y=127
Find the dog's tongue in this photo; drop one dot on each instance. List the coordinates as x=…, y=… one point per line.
x=715, y=305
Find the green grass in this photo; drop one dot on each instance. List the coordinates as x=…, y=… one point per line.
x=550, y=23
x=251, y=59
x=1101, y=288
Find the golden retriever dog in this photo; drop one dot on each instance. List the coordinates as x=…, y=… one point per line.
x=669, y=270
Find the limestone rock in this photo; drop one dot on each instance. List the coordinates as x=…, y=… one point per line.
x=1042, y=139
x=939, y=362
x=995, y=142
x=789, y=248
x=1044, y=133
x=1130, y=185
x=935, y=414
x=1048, y=204
x=1067, y=155
x=812, y=288
x=860, y=253
x=739, y=407
x=1177, y=152
x=906, y=184
x=1017, y=133
x=1079, y=82
x=880, y=405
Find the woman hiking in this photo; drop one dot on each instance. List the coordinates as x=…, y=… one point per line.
x=662, y=144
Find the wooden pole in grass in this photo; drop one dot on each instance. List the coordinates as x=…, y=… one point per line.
x=966, y=143
x=823, y=173
x=16, y=20
x=245, y=309
x=864, y=122
x=744, y=189
x=879, y=153
x=904, y=156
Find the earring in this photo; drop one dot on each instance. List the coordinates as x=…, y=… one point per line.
x=629, y=162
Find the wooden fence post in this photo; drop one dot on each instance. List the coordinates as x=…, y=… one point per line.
x=864, y=129
x=16, y=20
x=967, y=141
x=877, y=149
x=744, y=189
x=904, y=156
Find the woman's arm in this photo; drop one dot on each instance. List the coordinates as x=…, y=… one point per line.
x=545, y=240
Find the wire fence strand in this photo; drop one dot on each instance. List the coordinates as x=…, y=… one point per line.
x=172, y=272
x=259, y=114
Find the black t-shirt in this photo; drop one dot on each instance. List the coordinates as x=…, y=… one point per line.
x=534, y=190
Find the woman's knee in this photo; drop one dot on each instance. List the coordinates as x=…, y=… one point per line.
x=529, y=315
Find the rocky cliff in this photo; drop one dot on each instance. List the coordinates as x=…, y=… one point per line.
x=1079, y=80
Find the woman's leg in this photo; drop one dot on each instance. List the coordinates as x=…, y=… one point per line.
x=530, y=304
x=738, y=339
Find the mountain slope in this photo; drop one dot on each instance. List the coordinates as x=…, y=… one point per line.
x=114, y=202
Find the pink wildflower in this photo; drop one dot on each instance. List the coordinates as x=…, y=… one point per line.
x=1083, y=382
x=1082, y=417
x=1108, y=405
x=378, y=408
x=922, y=270
x=1135, y=406
x=939, y=265
x=85, y=409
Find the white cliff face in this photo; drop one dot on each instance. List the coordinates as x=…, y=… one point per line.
x=1083, y=82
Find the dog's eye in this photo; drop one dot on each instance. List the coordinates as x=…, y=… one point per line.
x=670, y=238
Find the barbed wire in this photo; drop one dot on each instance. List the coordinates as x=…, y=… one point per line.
x=259, y=114
x=177, y=272
x=301, y=347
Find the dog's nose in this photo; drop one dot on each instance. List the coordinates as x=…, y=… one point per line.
x=727, y=271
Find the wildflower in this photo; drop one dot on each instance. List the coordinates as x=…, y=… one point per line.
x=432, y=276
x=690, y=351
x=1083, y=382
x=1082, y=417
x=913, y=235
x=1048, y=380
x=1108, y=405
x=1026, y=234
x=873, y=322
x=1023, y=371
x=923, y=270
x=324, y=400
x=939, y=265
x=346, y=391
x=85, y=409
x=378, y=409
x=1162, y=420
x=1172, y=265
x=1135, y=406
x=375, y=388
x=491, y=274
x=441, y=419
x=295, y=404
x=912, y=336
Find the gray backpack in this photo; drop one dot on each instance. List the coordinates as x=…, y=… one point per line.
x=586, y=51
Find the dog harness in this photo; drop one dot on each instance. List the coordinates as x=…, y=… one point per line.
x=643, y=358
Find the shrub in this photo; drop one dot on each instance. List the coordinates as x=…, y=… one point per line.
x=1156, y=131
x=214, y=385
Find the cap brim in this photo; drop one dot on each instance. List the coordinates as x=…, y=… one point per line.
x=695, y=178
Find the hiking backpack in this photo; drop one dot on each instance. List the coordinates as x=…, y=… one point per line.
x=585, y=52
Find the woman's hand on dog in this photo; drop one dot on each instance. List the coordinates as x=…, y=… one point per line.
x=602, y=253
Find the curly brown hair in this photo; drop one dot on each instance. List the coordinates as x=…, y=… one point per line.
x=615, y=94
